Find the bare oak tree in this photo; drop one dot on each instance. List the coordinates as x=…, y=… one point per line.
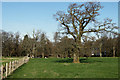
x=75, y=22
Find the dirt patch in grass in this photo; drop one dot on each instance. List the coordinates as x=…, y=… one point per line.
x=66, y=64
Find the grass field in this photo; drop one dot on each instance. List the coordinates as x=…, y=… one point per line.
x=64, y=68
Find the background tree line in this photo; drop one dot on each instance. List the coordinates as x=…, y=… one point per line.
x=40, y=46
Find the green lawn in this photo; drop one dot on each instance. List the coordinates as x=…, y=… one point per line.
x=64, y=68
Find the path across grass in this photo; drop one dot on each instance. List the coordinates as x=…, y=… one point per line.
x=105, y=67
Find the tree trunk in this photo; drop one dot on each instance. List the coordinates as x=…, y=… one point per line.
x=76, y=58
x=62, y=56
x=76, y=53
x=42, y=55
x=77, y=50
x=100, y=50
x=66, y=55
x=33, y=51
x=35, y=54
x=100, y=53
x=113, y=51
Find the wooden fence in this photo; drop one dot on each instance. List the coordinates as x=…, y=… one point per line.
x=8, y=68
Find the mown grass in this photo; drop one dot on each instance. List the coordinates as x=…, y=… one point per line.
x=106, y=67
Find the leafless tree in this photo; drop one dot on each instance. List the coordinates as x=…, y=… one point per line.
x=76, y=20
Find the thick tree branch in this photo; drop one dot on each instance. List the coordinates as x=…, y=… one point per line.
x=68, y=30
x=93, y=30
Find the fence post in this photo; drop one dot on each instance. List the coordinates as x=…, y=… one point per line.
x=10, y=67
x=1, y=72
x=6, y=69
x=15, y=64
x=19, y=62
x=23, y=60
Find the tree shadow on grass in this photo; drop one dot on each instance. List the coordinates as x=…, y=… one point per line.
x=83, y=60
x=64, y=61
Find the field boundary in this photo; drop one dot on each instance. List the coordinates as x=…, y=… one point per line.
x=8, y=68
